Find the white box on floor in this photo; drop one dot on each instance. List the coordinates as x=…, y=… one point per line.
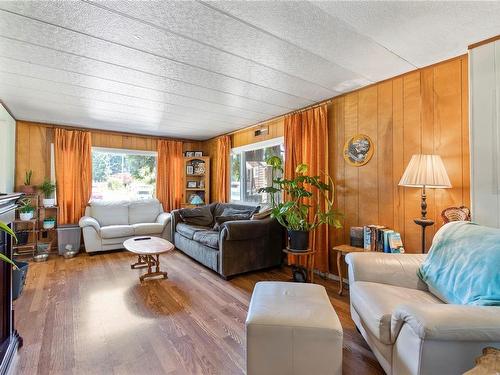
x=292, y=329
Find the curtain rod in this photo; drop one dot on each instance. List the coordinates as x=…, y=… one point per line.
x=327, y=101
x=309, y=107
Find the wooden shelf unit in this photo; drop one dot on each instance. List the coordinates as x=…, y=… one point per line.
x=47, y=235
x=30, y=226
x=37, y=234
x=202, y=179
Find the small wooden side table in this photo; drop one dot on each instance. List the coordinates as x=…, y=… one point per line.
x=344, y=250
x=148, y=250
x=309, y=255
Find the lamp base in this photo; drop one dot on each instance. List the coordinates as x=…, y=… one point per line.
x=423, y=222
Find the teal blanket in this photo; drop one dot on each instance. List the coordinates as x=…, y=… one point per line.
x=463, y=265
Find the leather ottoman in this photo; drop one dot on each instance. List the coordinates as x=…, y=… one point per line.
x=292, y=328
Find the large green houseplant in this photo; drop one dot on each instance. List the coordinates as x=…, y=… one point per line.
x=6, y=229
x=301, y=211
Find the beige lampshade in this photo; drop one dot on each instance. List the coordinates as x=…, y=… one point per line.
x=425, y=170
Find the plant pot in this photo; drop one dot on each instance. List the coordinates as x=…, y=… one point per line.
x=298, y=240
x=49, y=224
x=49, y=202
x=25, y=216
x=27, y=189
x=22, y=237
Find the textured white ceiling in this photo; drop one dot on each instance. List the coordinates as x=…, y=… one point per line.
x=195, y=69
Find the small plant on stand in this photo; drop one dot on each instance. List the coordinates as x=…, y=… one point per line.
x=48, y=189
x=26, y=210
x=27, y=188
x=49, y=222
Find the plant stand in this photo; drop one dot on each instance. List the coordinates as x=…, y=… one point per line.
x=309, y=260
x=31, y=226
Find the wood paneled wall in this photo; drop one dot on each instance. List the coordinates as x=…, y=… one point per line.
x=33, y=147
x=425, y=111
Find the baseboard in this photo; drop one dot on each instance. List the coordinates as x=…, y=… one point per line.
x=330, y=276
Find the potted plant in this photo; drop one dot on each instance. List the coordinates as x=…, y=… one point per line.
x=301, y=212
x=26, y=209
x=27, y=188
x=48, y=189
x=49, y=222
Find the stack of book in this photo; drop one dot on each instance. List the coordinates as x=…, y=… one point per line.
x=380, y=238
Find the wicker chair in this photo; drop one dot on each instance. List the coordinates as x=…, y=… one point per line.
x=461, y=213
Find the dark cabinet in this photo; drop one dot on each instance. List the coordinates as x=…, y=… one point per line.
x=10, y=340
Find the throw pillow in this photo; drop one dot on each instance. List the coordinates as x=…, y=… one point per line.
x=219, y=220
x=197, y=216
x=231, y=211
x=266, y=212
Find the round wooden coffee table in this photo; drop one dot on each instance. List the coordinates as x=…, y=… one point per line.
x=148, y=250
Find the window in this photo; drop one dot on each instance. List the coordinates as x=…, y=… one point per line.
x=250, y=172
x=123, y=174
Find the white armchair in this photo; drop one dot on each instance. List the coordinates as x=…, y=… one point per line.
x=409, y=329
x=106, y=225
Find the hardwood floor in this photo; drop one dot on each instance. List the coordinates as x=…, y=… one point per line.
x=90, y=315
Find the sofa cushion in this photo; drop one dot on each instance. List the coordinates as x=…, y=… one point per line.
x=115, y=241
x=376, y=302
x=208, y=238
x=197, y=216
x=144, y=211
x=147, y=228
x=109, y=213
x=203, y=254
x=112, y=231
x=221, y=207
x=188, y=231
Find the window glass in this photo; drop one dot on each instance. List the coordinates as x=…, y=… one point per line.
x=235, y=177
x=250, y=172
x=123, y=174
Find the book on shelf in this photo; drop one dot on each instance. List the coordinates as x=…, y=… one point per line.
x=395, y=243
x=385, y=241
x=367, y=238
x=372, y=237
x=375, y=237
x=382, y=239
x=357, y=236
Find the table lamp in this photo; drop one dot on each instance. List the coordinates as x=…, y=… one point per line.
x=425, y=171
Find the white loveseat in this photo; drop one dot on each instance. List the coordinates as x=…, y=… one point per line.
x=106, y=225
x=409, y=329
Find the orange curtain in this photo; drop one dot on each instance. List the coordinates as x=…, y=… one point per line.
x=73, y=163
x=306, y=141
x=223, y=148
x=169, y=174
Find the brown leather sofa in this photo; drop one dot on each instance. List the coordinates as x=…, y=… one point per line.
x=236, y=247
